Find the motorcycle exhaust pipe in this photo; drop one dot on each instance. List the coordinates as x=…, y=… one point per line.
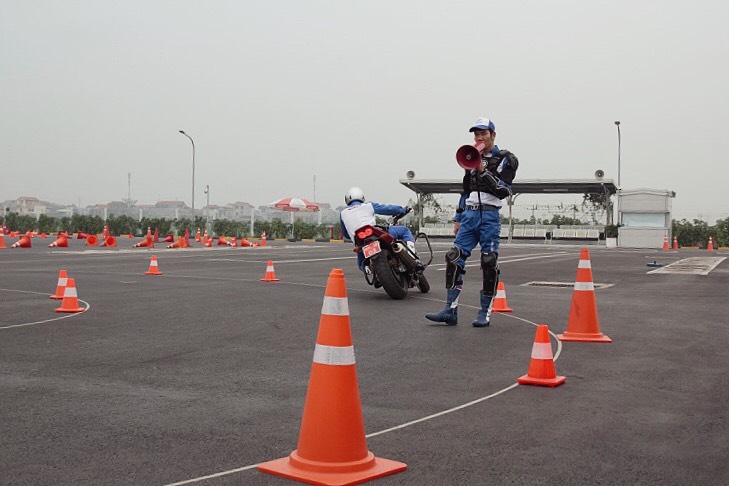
x=404, y=255
x=469, y=156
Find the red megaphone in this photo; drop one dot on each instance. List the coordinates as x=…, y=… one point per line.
x=469, y=156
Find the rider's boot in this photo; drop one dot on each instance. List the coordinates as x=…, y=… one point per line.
x=483, y=318
x=449, y=315
x=411, y=246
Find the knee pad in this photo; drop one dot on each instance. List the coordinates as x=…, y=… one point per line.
x=454, y=269
x=490, y=272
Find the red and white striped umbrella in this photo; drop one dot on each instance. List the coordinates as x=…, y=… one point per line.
x=295, y=204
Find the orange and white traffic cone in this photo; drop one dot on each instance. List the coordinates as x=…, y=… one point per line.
x=2, y=241
x=61, y=285
x=91, y=240
x=665, y=242
x=146, y=243
x=500, y=304
x=233, y=242
x=109, y=242
x=180, y=243
x=675, y=243
x=710, y=246
x=264, y=242
x=155, y=238
x=153, y=267
x=222, y=240
x=541, y=367
x=70, y=298
x=270, y=274
x=197, y=236
x=208, y=242
x=23, y=242
x=61, y=242
x=332, y=448
x=583, y=323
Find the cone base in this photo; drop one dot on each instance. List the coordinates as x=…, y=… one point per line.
x=285, y=468
x=56, y=297
x=270, y=280
x=505, y=309
x=597, y=337
x=153, y=273
x=72, y=310
x=551, y=382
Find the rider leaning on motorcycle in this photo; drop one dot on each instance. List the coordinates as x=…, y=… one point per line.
x=359, y=213
x=477, y=222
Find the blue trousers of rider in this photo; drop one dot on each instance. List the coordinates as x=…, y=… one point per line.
x=398, y=232
x=477, y=227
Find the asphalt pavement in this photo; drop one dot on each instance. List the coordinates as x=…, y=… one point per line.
x=198, y=375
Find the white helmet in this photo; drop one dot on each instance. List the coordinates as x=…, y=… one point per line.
x=354, y=194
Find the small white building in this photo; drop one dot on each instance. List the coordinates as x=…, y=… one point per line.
x=645, y=217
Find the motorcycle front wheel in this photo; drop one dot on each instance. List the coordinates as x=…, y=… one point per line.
x=423, y=284
x=392, y=281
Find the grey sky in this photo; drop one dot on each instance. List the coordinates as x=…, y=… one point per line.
x=356, y=93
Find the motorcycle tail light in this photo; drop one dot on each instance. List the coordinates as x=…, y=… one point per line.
x=364, y=233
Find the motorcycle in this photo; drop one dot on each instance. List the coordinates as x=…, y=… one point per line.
x=388, y=262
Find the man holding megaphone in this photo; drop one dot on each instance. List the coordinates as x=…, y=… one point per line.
x=489, y=173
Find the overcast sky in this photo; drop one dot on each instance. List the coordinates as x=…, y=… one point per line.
x=279, y=94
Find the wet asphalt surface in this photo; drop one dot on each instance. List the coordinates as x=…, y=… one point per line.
x=198, y=375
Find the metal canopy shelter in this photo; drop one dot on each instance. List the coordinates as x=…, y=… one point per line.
x=522, y=186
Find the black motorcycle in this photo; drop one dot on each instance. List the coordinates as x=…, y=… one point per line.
x=389, y=263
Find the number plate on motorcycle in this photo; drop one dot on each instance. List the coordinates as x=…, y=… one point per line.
x=371, y=249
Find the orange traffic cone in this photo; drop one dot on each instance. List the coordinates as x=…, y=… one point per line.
x=61, y=285
x=233, y=242
x=665, y=242
x=2, y=241
x=146, y=243
x=263, y=239
x=110, y=242
x=208, y=242
x=61, y=242
x=332, y=448
x=500, y=304
x=153, y=267
x=675, y=243
x=223, y=241
x=70, y=298
x=541, y=368
x=23, y=242
x=197, y=236
x=155, y=238
x=91, y=240
x=710, y=246
x=270, y=274
x=187, y=238
x=583, y=323
x=180, y=243
x=81, y=235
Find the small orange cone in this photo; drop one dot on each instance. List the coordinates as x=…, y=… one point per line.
x=61, y=242
x=23, y=242
x=180, y=243
x=223, y=241
x=70, y=298
x=2, y=241
x=146, y=243
x=270, y=274
x=583, y=323
x=168, y=239
x=665, y=242
x=675, y=243
x=332, y=448
x=91, y=240
x=197, y=236
x=187, y=238
x=110, y=242
x=153, y=267
x=233, y=242
x=81, y=235
x=208, y=242
x=263, y=239
x=541, y=367
x=155, y=238
x=61, y=285
x=500, y=304
x=710, y=246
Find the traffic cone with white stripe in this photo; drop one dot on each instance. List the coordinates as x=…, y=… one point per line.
x=541, y=367
x=70, y=298
x=270, y=274
x=61, y=242
x=500, y=304
x=264, y=241
x=61, y=285
x=2, y=240
x=153, y=267
x=665, y=242
x=675, y=243
x=710, y=246
x=583, y=323
x=332, y=448
x=23, y=242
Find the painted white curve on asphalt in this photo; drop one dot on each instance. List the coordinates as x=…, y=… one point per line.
x=58, y=318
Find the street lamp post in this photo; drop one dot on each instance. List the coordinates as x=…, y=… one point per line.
x=207, y=208
x=193, y=174
x=617, y=124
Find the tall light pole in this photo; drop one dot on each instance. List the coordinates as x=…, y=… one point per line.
x=617, y=124
x=207, y=211
x=193, y=174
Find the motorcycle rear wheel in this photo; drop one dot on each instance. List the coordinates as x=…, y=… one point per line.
x=394, y=284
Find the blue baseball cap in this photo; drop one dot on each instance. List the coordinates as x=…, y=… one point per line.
x=483, y=124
